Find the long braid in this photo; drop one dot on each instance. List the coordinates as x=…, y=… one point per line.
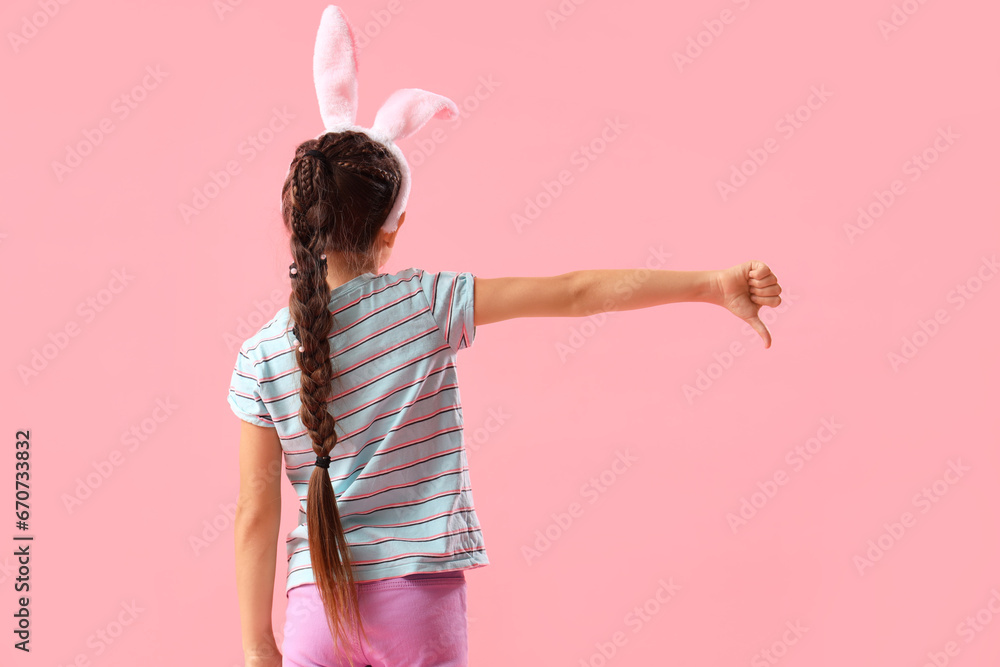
x=334, y=203
x=308, y=307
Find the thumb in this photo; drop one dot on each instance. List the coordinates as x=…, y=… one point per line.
x=759, y=327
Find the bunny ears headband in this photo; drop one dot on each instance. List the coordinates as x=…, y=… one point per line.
x=335, y=72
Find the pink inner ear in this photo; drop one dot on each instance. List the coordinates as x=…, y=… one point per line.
x=335, y=69
x=409, y=109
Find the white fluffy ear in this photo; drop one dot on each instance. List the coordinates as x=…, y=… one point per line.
x=335, y=72
x=409, y=109
x=335, y=69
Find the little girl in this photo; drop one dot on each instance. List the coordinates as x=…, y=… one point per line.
x=353, y=389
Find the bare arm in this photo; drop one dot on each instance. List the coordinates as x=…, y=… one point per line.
x=498, y=299
x=606, y=290
x=742, y=289
x=580, y=293
x=258, y=515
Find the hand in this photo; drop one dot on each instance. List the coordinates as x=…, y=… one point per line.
x=744, y=288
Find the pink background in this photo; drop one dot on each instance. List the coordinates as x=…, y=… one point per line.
x=168, y=334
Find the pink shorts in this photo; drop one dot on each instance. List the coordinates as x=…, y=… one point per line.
x=413, y=621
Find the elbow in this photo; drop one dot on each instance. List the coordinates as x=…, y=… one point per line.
x=253, y=521
x=582, y=301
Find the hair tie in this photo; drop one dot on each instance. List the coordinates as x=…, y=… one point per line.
x=315, y=153
x=293, y=270
x=323, y=461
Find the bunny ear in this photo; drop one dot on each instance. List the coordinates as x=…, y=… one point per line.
x=335, y=69
x=409, y=109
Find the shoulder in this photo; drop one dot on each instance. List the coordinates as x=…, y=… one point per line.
x=259, y=342
x=431, y=283
x=428, y=277
x=389, y=283
x=404, y=274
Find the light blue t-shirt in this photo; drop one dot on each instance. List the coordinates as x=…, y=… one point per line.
x=399, y=469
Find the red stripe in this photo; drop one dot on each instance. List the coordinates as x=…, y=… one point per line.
x=450, y=429
x=398, y=539
x=391, y=525
x=389, y=558
x=349, y=455
x=450, y=492
x=414, y=553
x=379, y=416
x=409, y=483
x=407, y=523
x=406, y=504
x=376, y=473
x=246, y=376
x=375, y=379
x=345, y=328
x=363, y=296
x=387, y=525
x=414, y=539
x=380, y=352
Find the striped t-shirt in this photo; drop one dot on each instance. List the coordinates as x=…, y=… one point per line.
x=399, y=469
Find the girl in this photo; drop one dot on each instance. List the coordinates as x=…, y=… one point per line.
x=354, y=386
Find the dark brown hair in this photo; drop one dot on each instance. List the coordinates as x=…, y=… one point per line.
x=333, y=205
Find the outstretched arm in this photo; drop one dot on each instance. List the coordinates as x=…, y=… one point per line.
x=741, y=289
x=606, y=290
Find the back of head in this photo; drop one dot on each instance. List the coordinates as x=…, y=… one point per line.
x=338, y=202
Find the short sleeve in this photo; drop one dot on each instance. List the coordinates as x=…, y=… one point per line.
x=451, y=295
x=244, y=393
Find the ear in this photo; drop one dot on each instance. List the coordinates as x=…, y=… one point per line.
x=409, y=109
x=335, y=69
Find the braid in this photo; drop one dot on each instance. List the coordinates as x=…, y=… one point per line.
x=311, y=295
x=336, y=202
x=302, y=184
x=370, y=169
x=314, y=321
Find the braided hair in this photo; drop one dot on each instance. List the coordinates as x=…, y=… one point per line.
x=333, y=205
